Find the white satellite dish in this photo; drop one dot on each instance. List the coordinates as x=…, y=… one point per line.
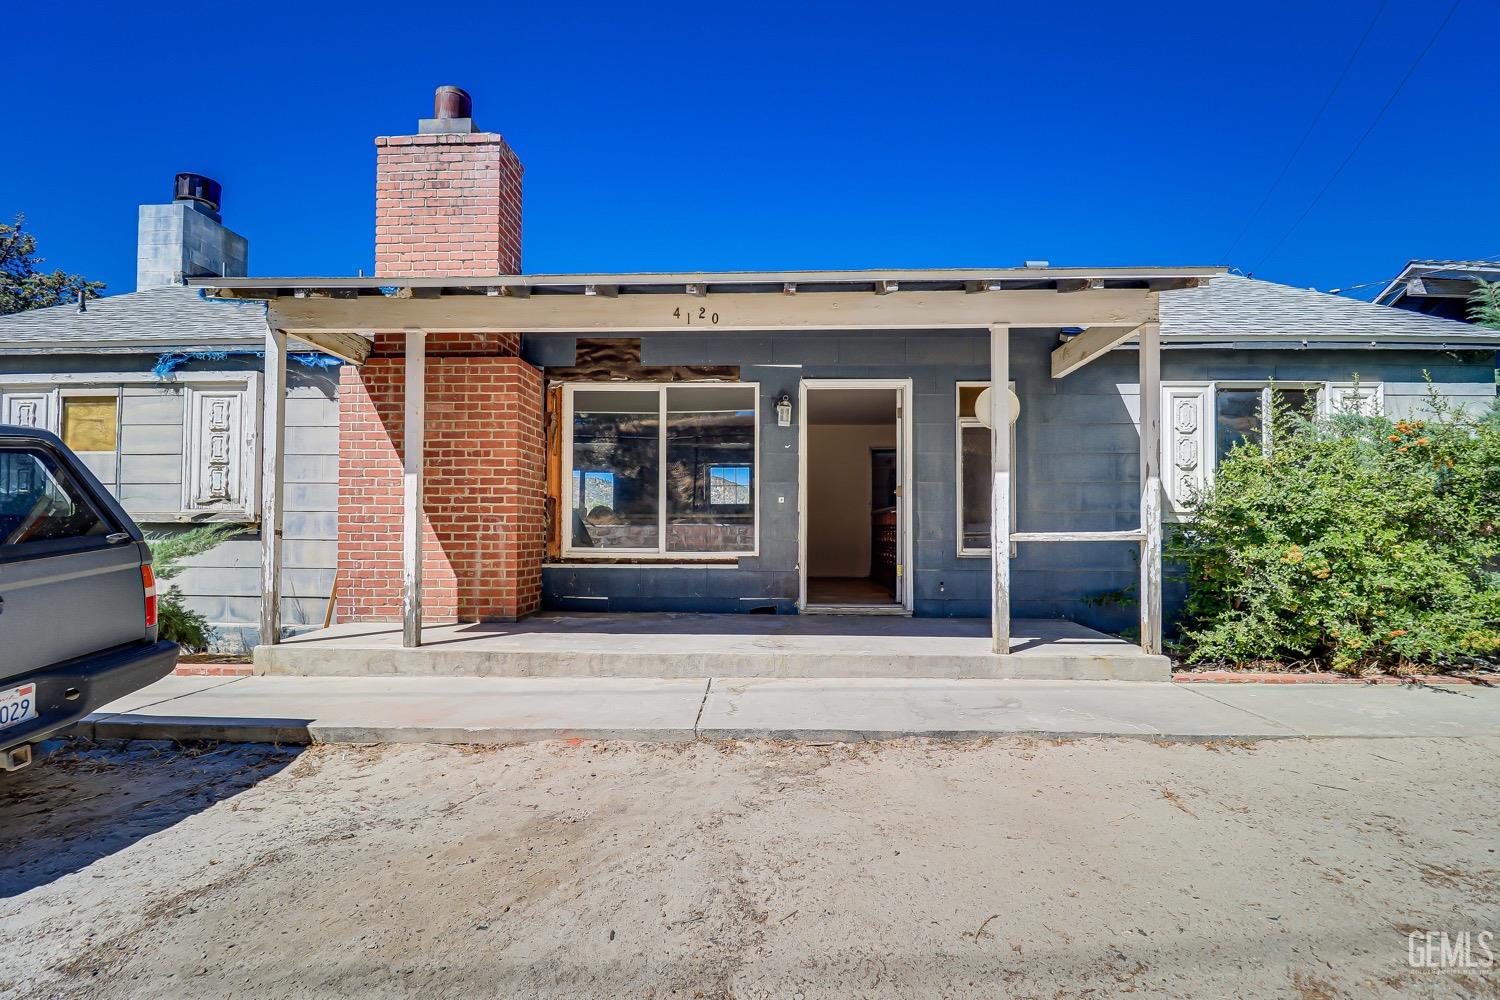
x=982, y=406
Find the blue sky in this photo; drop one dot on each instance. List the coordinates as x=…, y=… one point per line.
x=680, y=136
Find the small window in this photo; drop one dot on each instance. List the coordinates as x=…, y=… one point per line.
x=90, y=423
x=40, y=502
x=974, y=486
x=662, y=469
x=1238, y=413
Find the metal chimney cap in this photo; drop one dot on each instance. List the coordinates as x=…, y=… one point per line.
x=196, y=187
x=452, y=102
x=452, y=112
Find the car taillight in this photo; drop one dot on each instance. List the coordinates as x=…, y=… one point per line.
x=149, y=580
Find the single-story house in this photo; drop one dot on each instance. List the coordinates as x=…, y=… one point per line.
x=771, y=442
x=1438, y=287
x=159, y=392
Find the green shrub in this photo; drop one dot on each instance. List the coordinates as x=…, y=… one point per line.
x=1357, y=543
x=174, y=620
x=179, y=623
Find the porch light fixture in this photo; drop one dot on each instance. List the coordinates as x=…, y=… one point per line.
x=982, y=406
x=784, y=411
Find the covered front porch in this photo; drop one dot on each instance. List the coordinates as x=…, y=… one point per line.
x=716, y=645
x=1084, y=313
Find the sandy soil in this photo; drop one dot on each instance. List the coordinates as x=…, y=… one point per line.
x=1009, y=868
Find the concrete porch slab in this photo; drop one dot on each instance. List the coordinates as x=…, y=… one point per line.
x=708, y=645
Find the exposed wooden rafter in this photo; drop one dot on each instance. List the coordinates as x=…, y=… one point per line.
x=1092, y=343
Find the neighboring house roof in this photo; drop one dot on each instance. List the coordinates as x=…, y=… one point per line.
x=1229, y=311
x=158, y=319
x=1447, y=277
x=1237, y=311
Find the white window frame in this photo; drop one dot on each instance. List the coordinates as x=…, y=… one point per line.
x=1193, y=454
x=54, y=389
x=959, y=423
x=660, y=552
x=1265, y=386
x=102, y=391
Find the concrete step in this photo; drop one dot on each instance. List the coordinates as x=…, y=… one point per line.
x=732, y=646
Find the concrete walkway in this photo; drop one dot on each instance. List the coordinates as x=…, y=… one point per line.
x=514, y=709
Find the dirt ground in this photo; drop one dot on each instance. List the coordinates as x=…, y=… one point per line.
x=1008, y=868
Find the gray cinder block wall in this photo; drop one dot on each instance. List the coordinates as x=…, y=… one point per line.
x=1077, y=462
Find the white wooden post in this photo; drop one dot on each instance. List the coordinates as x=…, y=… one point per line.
x=273, y=449
x=1000, y=460
x=1151, y=541
x=412, y=432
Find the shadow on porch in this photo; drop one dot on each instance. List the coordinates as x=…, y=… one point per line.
x=709, y=645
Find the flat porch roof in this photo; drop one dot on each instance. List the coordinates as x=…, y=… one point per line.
x=716, y=645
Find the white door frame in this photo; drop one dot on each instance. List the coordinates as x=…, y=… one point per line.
x=904, y=458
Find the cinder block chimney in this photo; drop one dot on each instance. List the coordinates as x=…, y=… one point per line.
x=187, y=239
x=448, y=199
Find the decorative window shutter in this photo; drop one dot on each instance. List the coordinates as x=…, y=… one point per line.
x=1185, y=438
x=216, y=450
x=1366, y=398
x=30, y=409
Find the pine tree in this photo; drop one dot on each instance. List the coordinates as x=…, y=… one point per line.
x=23, y=285
x=1484, y=304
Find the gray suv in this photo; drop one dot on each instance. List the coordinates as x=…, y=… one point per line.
x=77, y=599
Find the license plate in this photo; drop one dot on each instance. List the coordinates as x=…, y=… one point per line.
x=17, y=705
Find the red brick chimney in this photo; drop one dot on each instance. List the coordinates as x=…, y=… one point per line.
x=448, y=199
x=448, y=203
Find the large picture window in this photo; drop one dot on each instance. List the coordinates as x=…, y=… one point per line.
x=663, y=470
x=974, y=487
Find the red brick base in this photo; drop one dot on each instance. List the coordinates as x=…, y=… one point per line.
x=484, y=483
x=1272, y=677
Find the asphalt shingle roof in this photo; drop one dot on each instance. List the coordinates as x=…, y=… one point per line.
x=1233, y=308
x=1227, y=310
x=153, y=320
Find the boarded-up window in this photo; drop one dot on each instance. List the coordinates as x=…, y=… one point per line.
x=90, y=423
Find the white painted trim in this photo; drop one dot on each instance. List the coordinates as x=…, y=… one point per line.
x=906, y=591
x=14, y=379
x=1207, y=433
x=1150, y=591
x=1000, y=465
x=273, y=444
x=1332, y=389
x=586, y=556
x=959, y=423
x=60, y=385
x=249, y=444
x=413, y=450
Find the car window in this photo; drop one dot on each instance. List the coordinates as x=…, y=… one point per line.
x=40, y=501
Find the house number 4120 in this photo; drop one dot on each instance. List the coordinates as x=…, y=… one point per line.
x=689, y=316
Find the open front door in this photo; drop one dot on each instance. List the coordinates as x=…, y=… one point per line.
x=854, y=493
